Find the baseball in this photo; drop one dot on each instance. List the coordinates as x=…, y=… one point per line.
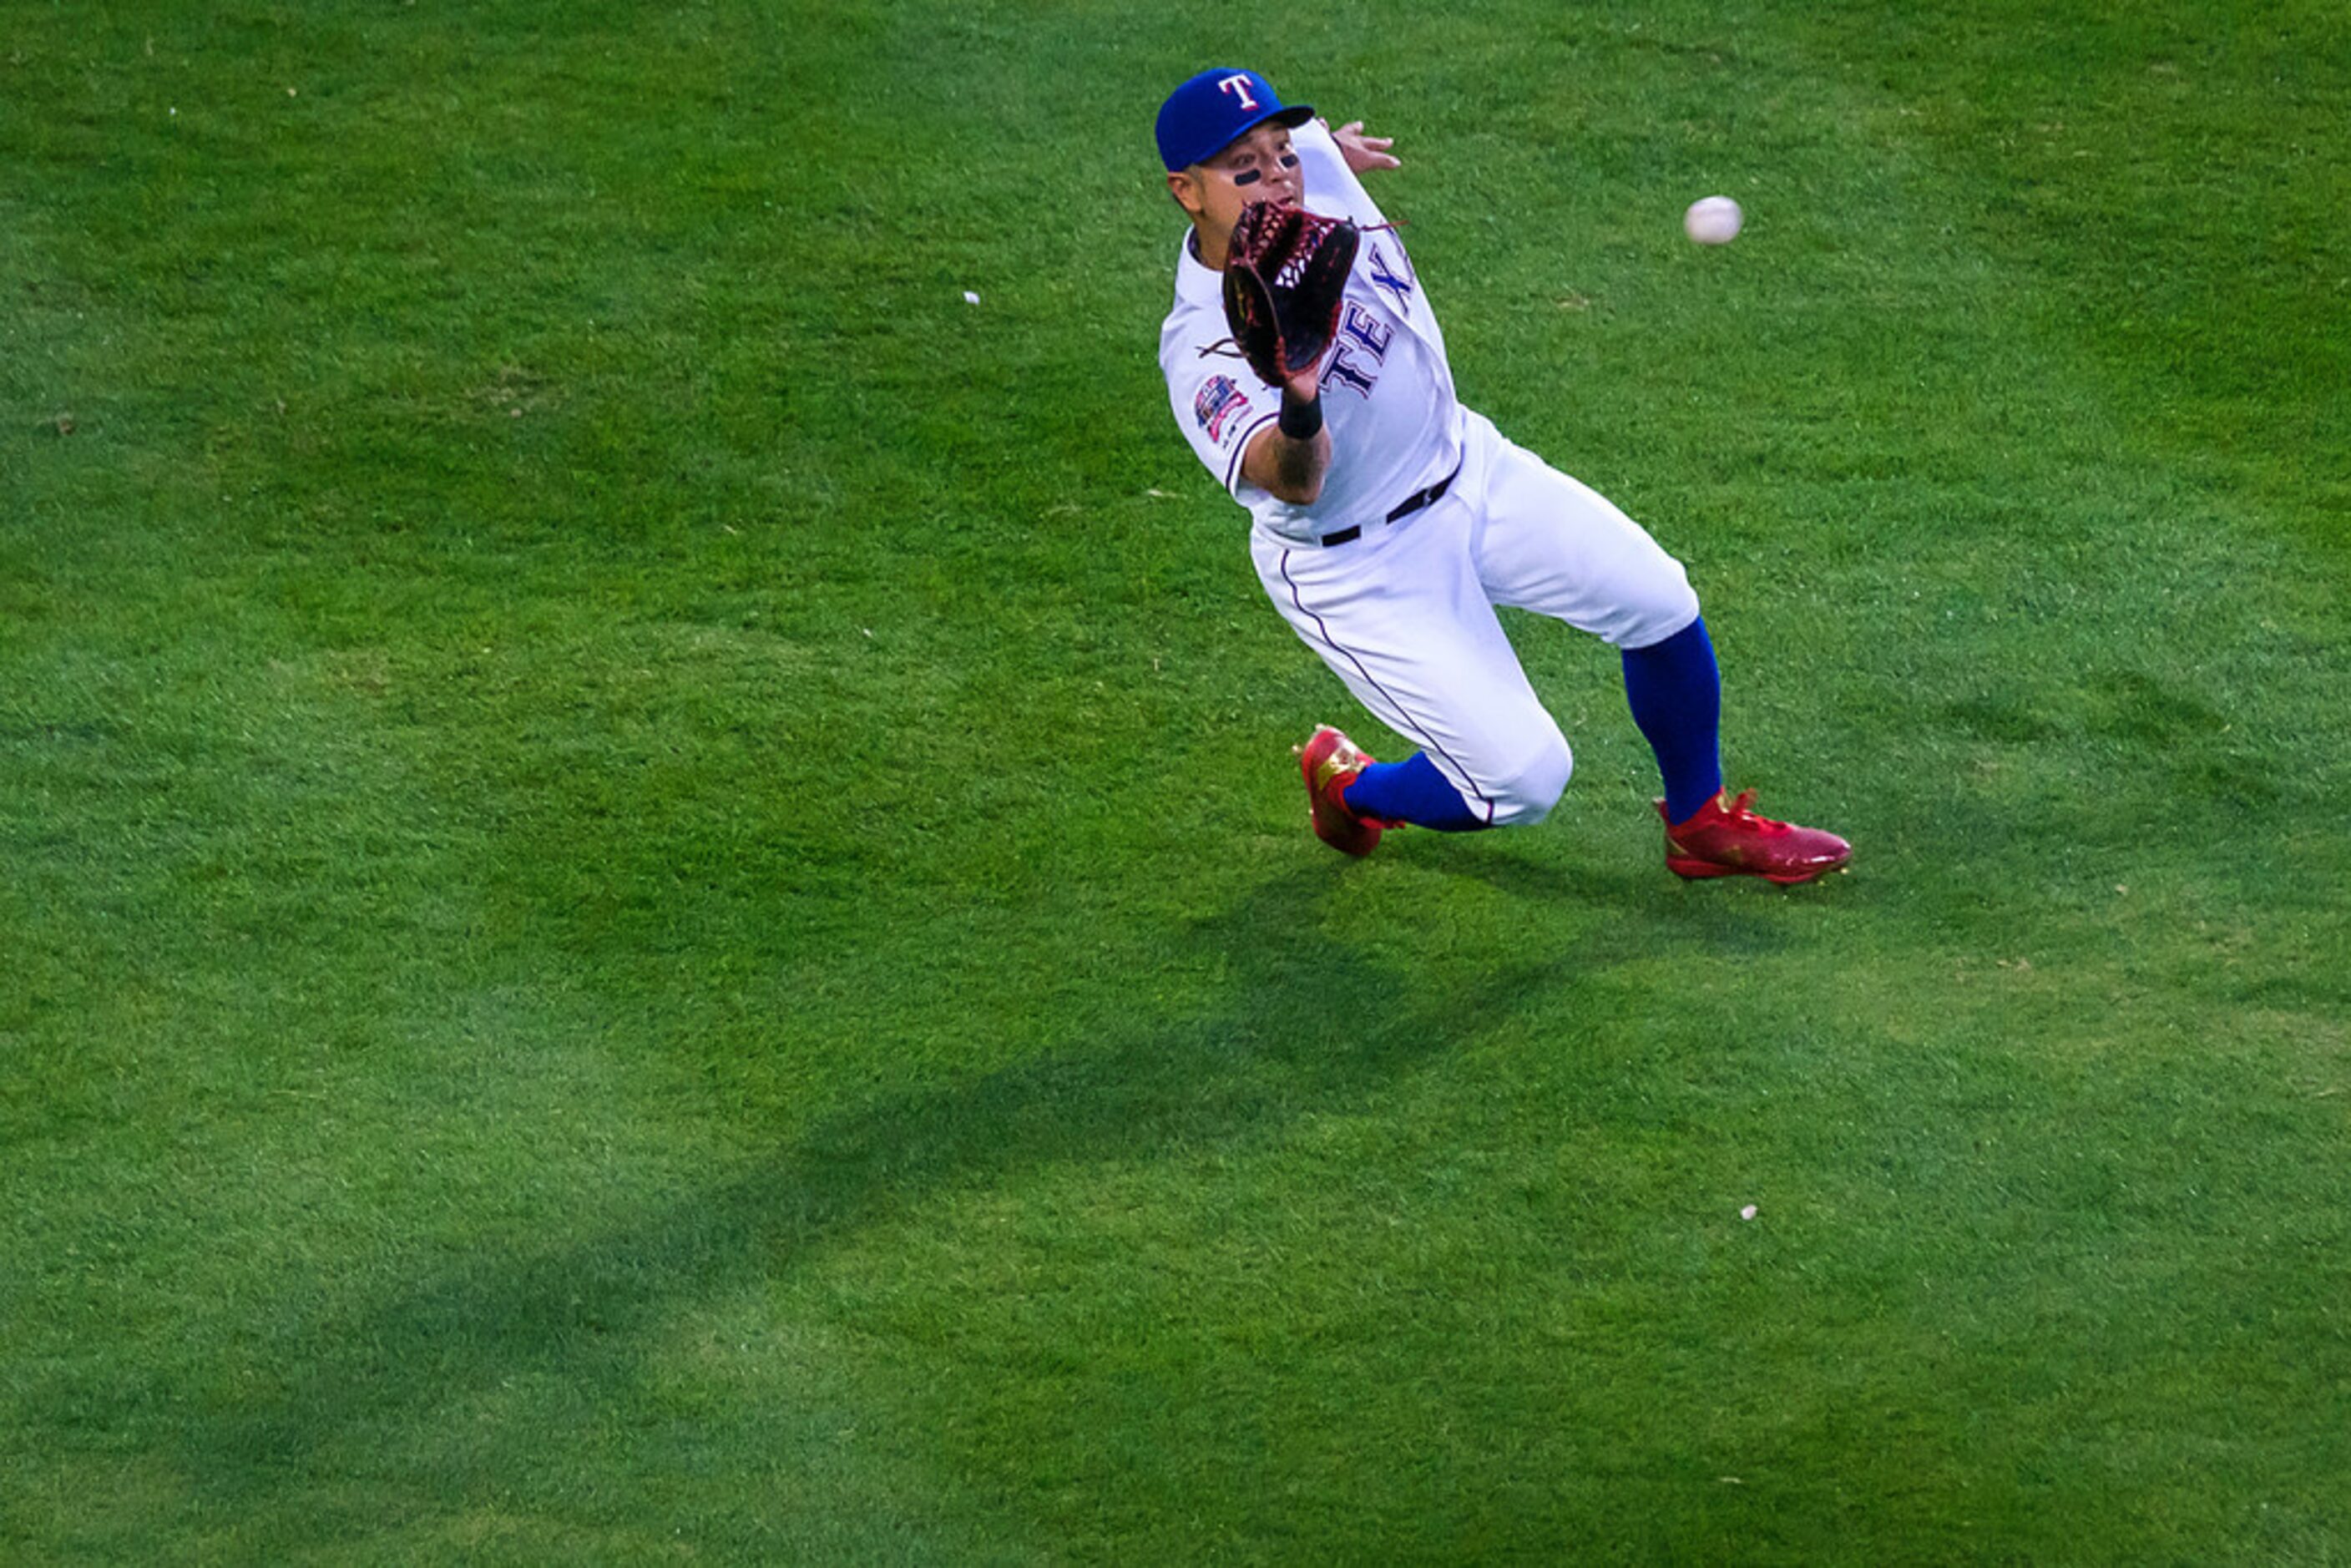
x=1712, y=220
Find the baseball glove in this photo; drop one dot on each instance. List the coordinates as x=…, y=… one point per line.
x=1284, y=279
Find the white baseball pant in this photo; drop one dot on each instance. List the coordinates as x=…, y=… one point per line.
x=1405, y=613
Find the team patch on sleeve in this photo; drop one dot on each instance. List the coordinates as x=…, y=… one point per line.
x=1220, y=399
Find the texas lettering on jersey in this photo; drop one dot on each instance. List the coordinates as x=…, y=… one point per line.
x=1362, y=346
x=1396, y=279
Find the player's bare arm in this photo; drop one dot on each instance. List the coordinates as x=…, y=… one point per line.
x=1281, y=465
x=1289, y=468
x=1275, y=463
x=1288, y=459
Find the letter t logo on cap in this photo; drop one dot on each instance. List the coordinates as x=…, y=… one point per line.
x=1239, y=85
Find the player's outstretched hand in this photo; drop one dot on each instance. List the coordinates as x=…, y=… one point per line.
x=1365, y=153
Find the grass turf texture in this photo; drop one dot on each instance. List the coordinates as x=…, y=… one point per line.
x=654, y=907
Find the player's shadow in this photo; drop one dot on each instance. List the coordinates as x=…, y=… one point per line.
x=1635, y=910
x=1308, y=1023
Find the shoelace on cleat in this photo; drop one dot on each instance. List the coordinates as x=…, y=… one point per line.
x=1737, y=811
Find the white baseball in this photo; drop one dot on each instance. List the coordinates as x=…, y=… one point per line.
x=1712, y=220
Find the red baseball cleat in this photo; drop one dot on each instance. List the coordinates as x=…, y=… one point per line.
x=1330, y=761
x=1721, y=839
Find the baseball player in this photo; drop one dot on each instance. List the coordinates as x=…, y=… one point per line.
x=1389, y=521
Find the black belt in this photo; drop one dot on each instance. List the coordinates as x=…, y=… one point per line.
x=1404, y=509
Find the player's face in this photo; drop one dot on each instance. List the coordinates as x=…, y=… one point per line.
x=1260, y=166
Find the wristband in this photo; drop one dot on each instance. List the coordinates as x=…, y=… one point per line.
x=1301, y=418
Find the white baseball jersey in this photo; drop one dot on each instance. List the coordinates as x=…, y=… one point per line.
x=1387, y=391
x=1405, y=613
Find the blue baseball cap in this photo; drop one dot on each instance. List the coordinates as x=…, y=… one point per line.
x=1204, y=116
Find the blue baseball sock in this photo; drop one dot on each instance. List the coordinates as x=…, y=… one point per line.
x=1412, y=791
x=1676, y=693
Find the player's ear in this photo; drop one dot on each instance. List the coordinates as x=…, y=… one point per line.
x=1184, y=184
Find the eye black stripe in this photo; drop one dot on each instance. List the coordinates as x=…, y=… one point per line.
x=1248, y=176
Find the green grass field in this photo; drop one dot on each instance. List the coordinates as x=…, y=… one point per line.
x=652, y=905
